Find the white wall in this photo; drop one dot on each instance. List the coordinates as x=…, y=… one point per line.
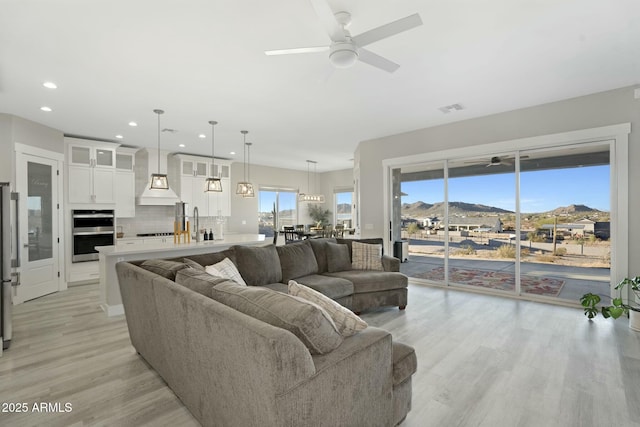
x=15, y=129
x=246, y=210
x=601, y=109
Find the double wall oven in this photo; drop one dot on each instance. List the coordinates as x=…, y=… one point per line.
x=91, y=228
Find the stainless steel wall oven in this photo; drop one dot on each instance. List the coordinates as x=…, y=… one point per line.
x=91, y=228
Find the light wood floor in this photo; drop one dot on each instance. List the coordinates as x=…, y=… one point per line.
x=482, y=361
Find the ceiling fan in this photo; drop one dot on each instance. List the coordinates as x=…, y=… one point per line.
x=500, y=161
x=344, y=49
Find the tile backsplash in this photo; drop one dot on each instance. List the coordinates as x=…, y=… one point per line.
x=157, y=219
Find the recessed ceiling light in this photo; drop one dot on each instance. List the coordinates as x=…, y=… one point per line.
x=202, y=135
x=45, y=108
x=233, y=153
x=50, y=85
x=119, y=136
x=181, y=145
x=133, y=124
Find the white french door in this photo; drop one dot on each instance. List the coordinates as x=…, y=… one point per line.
x=37, y=184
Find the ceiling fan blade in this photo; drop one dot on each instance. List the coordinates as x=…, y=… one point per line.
x=297, y=50
x=376, y=60
x=328, y=19
x=388, y=30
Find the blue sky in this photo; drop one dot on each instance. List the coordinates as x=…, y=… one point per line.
x=540, y=191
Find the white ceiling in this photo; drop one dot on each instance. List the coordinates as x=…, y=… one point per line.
x=115, y=61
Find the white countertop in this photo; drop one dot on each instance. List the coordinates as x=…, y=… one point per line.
x=151, y=247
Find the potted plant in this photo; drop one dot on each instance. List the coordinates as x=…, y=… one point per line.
x=618, y=307
x=319, y=215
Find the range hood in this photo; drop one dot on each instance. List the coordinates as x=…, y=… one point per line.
x=146, y=164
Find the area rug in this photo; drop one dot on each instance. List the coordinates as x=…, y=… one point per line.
x=496, y=280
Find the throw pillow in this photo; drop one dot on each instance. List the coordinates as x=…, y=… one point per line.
x=192, y=264
x=306, y=320
x=337, y=257
x=366, y=256
x=346, y=320
x=226, y=269
x=163, y=267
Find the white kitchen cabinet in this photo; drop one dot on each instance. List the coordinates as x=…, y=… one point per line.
x=190, y=174
x=90, y=171
x=90, y=185
x=125, y=197
x=125, y=183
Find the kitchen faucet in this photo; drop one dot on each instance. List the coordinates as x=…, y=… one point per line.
x=196, y=217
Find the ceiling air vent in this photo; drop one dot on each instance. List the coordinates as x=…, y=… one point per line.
x=450, y=108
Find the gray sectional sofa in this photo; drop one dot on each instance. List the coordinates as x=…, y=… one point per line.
x=313, y=263
x=233, y=368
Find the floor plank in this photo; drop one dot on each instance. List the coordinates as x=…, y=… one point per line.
x=482, y=361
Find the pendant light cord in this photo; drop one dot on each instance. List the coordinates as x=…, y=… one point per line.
x=158, y=112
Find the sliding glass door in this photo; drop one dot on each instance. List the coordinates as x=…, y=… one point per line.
x=277, y=208
x=533, y=223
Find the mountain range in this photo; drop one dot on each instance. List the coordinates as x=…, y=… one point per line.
x=426, y=210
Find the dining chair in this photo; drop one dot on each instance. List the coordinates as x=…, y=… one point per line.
x=339, y=231
x=290, y=234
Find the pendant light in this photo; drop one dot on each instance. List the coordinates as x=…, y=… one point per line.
x=244, y=187
x=213, y=184
x=250, y=193
x=159, y=181
x=309, y=197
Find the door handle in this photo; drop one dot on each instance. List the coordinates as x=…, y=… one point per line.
x=15, y=263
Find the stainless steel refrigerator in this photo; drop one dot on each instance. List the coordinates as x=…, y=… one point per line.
x=6, y=263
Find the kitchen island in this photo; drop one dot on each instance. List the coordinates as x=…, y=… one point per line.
x=110, y=299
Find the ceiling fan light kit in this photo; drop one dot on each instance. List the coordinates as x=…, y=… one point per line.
x=343, y=54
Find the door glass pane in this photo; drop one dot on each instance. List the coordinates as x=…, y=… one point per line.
x=344, y=201
x=187, y=168
x=481, y=222
x=104, y=157
x=420, y=220
x=201, y=169
x=287, y=203
x=266, y=214
x=39, y=211
x=565, y=221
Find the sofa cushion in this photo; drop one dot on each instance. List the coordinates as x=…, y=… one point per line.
x=405, y=362
x=372, y=281
x=337, y=257
x=226, y=269
x=366, y=256
x=319, y=249
x=280, y=287
x=306, y=320
x=333, y=287
x=346, y=321
x=296, y=260
x=258, y=265
x=163, y=267
x=198, y=280
x=214, y=257
x=192, y=264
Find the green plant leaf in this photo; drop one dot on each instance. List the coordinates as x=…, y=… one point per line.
x=617, y=302
x=616, y=312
